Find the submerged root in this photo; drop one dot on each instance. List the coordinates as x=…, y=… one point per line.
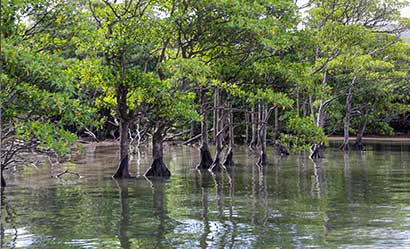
x=158, y=169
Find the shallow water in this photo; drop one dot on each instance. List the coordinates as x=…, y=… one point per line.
x=347, y=201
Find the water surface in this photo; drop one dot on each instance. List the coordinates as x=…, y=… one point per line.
x=360, y=199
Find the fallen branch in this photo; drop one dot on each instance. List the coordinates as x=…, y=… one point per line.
x=67, y=172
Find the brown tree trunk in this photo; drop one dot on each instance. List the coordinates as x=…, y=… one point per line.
x=358, y=145
x=254, y=121
x=122, y=170
x=215, y=116
x=349, y=97
x=216, y=165
x=262, y=120
x=317, y=149
x=228, y=161
x=122, y=112
x=3, y=181
x=205, y=154
x=247, y=120
x=158, y=168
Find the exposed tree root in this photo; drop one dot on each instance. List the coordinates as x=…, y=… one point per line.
x=158, y=169
x=206, y=158
x=122, y=170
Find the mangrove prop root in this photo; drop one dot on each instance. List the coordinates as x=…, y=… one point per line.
x=158, y=169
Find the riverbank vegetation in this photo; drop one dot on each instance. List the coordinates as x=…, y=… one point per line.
x=220, y=72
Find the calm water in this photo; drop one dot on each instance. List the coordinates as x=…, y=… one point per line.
x=346, y=201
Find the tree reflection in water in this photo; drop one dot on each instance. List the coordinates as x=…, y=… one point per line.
x=348, y=176
x=122, y=185
x=158, y=189
x=7, y=218
x=318, y=187
x=205, y=181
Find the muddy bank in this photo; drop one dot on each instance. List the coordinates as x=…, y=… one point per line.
x=374, y=139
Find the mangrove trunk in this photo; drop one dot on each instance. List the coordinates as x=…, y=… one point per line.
x=122, y=170
x=349, y=97
x=205, y=154
x=158, y=167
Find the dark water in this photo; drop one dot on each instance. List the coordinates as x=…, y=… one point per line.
x=346, y=201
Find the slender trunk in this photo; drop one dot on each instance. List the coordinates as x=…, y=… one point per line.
x=158, y=168
x=122, y=112
x=246, y=127
x=254, y=120
x=305, y=111
x=320, y=120
x=228, y=162
x=349, y=97
x=206, y=158
x=231, y=128
x=216, y=165
x=276, y=127
x=3, y=181
x=317, y=149
x=122, y=170
x=215, y=116
x=262, y=120
x=358, y=145
x=312, y=109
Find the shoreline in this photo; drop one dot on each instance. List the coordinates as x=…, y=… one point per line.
x=397, y=138
x=392, y=139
